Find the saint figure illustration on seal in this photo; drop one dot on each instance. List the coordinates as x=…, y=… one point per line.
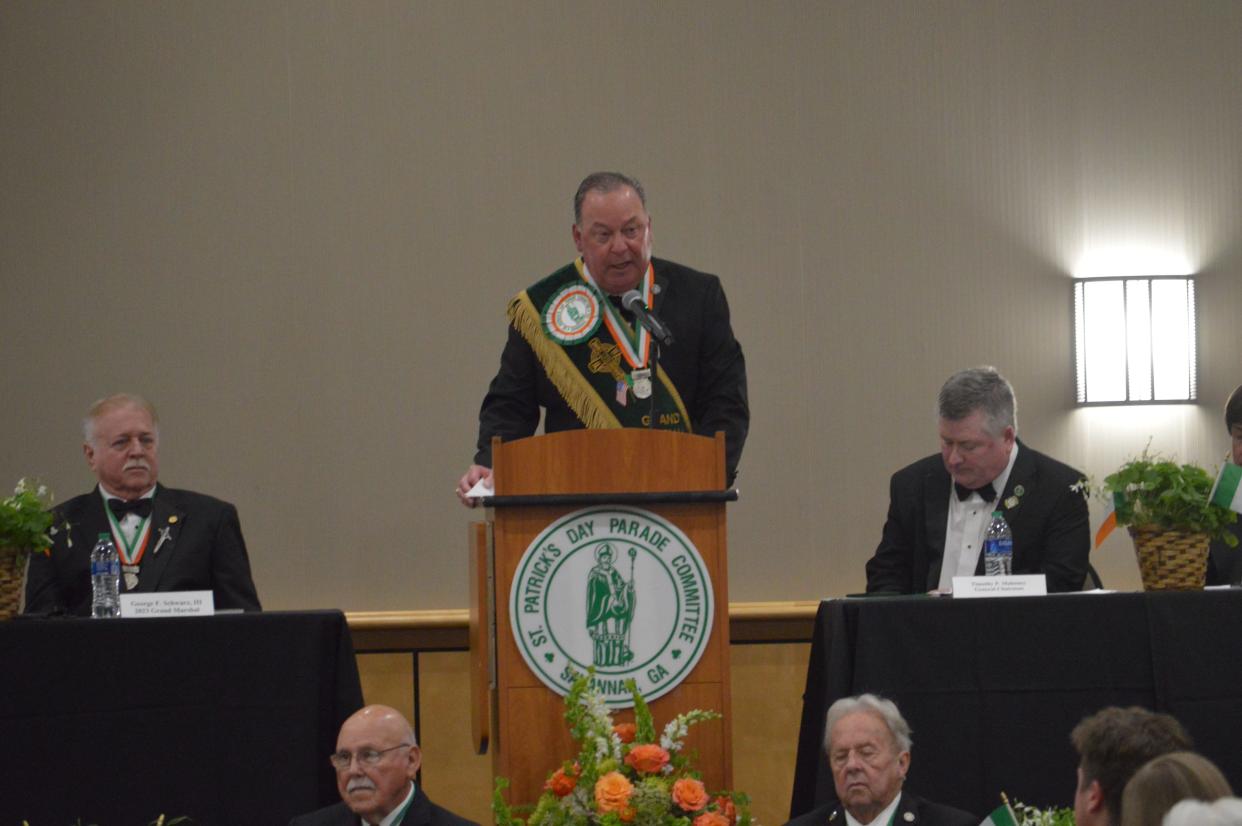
x=610, y=609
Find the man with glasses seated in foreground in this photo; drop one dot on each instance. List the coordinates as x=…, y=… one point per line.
x=376, y=761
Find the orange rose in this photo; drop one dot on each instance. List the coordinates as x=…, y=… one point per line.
x=612, y=792
x=626, y=732
x=690, y=795
x=647, y=758
x=560, y=783
x=724, y=805
x=712, y=819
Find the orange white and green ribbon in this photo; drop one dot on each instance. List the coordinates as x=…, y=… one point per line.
x=130, y=552
x=634, y=343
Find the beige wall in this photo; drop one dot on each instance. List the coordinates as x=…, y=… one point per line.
x=294, y=225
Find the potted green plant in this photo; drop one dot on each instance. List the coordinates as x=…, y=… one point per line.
x=25, y=523
x=1165, y=507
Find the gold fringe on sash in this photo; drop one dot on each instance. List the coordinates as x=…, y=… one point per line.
x=574, y=389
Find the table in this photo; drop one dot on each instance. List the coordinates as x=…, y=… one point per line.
x=992, y=687
x=227, y=719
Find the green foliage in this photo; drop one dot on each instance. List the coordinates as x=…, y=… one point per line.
x=644, y=724
x=1031, y=816
x=500, y=809
x=25, y=518
x=1151, y=490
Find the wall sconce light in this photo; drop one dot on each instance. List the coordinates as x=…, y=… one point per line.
x=1134, y=340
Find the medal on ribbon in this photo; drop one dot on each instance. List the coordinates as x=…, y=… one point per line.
x=633, y=342
x=130, y=553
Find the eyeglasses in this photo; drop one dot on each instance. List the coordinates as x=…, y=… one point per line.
x=366, y=757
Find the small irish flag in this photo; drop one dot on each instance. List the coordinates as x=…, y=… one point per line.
x=1227, y=492
x=1003, y=816
x=1110, y=520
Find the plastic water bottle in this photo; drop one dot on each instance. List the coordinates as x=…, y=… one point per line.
x=998, y=547
x=105, y=578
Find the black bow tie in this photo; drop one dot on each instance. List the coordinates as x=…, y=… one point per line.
x=987, y=492
x=119, y=507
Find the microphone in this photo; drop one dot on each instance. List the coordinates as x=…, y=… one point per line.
x=633, y=301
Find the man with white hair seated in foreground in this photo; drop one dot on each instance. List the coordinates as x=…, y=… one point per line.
x=868, y=746
x=376, y=761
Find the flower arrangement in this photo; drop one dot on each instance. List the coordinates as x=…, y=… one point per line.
x=625, y=774
x=26, y=518
x=1152, y=490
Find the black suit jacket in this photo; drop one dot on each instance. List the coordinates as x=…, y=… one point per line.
x=422, y=812
x=911, y=811
x=705, y=363
x=1050, y=524
x=204, y=551
x=1225, y=563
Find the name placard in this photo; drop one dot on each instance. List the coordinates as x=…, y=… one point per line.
x=168, y=604
x=1018, y=585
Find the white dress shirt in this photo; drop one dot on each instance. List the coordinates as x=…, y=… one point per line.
x=881, y=819
x=968, y=521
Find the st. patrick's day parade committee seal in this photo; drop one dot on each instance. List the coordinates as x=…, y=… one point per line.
x=620, y=589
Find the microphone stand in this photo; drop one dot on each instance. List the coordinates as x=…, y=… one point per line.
x=655, y=367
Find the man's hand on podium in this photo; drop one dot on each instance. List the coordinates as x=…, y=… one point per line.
x=473, y=476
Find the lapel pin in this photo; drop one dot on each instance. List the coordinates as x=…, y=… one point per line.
x=1011, y=502
x=908, y=817
x=164, y=532
x=172, y=520
x=1018, y=490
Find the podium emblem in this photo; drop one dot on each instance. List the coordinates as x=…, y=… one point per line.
x=622, y=590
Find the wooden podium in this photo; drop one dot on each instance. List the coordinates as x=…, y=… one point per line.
x=678, y=477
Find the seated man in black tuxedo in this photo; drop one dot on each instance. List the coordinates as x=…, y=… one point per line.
x=167, y=540
x=868, y=746
x=376, y=761
x=1225, y=563
x=940, y=506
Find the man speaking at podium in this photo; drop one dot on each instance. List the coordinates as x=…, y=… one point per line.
x=616, y=339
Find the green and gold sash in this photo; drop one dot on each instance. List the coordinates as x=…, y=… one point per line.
x=589, y=352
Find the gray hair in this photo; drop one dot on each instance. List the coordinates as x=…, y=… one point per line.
x=980, y=388
x=1227, y=811
x=605, y=182
x=109, y=403
x=886, y=710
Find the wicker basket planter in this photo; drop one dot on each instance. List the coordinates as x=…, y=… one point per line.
x=1170, y=560
x=12, y=578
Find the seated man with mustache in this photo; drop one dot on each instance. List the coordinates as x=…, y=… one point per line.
x=376, y=762
x=167, y=540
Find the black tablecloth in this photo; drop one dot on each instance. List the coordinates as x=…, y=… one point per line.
x=992, y=687
x=227, y=719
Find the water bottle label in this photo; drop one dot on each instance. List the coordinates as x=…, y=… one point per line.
x=99, y=567
x=998, y=546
